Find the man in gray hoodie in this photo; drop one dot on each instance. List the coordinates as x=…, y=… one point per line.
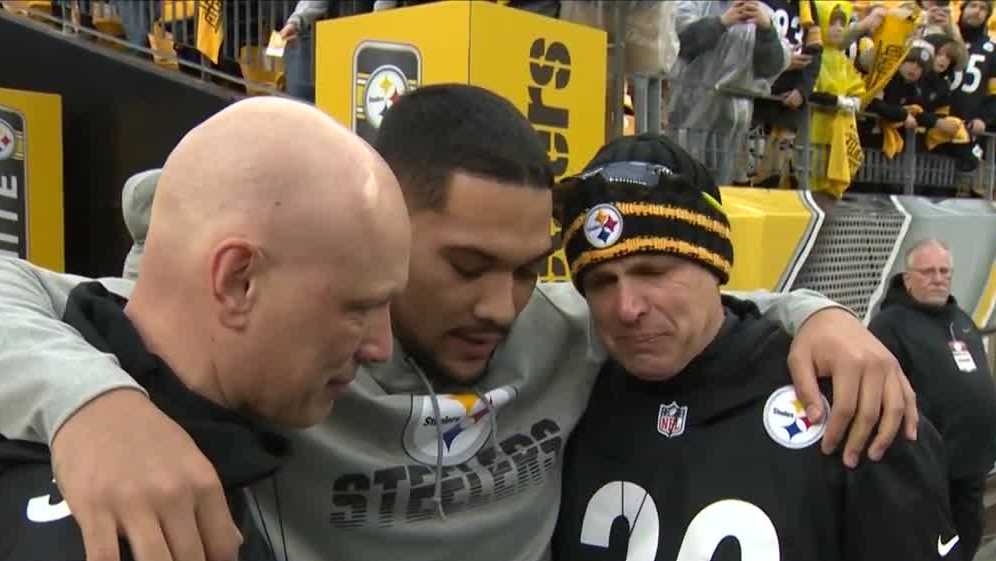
x=450, y=448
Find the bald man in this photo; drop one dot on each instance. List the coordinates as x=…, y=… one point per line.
x=244, y=315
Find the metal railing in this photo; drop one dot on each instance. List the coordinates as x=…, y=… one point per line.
x=909, y=170
x=167, y=31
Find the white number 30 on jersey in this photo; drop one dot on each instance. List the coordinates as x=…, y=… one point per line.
x=741, y=520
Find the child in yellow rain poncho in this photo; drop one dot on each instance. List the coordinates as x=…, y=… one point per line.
x=840, y=87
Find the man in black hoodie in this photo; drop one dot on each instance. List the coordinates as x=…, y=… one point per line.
x=694, y=444
x=253, y=307
x=941, y=351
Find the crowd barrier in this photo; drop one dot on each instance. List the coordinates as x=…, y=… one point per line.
x=909, y=172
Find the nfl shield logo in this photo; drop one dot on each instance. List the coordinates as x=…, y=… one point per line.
x=671, y=419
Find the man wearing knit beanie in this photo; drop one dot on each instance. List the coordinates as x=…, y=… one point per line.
x=694, y=433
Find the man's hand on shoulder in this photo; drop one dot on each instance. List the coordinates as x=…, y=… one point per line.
x=869, y=387
x=126, y=469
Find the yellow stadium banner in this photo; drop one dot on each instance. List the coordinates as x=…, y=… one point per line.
x=31, y=210
x=210, y=32
x=773, y=232
x=553, y=71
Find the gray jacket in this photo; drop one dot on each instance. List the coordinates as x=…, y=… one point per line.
x=712, y=57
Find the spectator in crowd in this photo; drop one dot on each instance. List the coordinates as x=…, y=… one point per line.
x=917, y=98
x=941, y=351
x=252, y=309
x=797, y=28
x=973, y=97
x=902, y=104
x=949, y=55
x=937, y=20
x=136, y=207
x=299, y=53
x=136, y=18
x=715, y=444
x=856, y=40
x=838, y=89
x=650, y=49
x=729, y=50
x=950, y=135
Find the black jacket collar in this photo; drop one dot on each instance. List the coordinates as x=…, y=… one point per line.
x=242, y=450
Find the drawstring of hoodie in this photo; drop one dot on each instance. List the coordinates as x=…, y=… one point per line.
x=437, y=494
x=280, y=520
x=494, y=418
x=951, y=329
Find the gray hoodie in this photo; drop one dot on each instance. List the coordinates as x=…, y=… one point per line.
x=136, y=209
x=363, y=484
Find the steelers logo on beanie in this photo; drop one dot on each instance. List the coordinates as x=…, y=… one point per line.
x=643, y=194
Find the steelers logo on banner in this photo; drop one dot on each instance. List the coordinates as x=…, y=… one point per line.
x=8, y=141
x=786, y=421
x=603, y=226
x=384, y=88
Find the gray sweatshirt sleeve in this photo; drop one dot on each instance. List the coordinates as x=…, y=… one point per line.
x=699, y=36
x=47, y=370
x=306, y=12
x=789, y=309
x=769, y=55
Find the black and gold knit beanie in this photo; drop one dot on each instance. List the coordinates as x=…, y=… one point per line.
x=643, y=194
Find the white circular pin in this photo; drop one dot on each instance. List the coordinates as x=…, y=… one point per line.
x=786, y=421
x=603, y=225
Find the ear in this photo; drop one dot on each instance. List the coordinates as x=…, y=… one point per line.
x=906, y=280
x=234, y=265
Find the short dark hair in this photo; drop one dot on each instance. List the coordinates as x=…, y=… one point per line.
x=439, y=129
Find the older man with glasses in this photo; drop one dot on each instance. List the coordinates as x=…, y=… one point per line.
x=941, y=351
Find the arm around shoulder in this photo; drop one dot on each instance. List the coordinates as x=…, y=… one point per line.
x=789, y=309
x=47, y=370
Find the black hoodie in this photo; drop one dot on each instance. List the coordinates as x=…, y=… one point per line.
x=723, y=450
x=962, y=405
x=34, y=521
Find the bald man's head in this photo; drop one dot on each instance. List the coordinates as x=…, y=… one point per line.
x=249, y=167
x=277, y=238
